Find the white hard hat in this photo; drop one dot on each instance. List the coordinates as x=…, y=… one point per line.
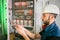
x=51, y=9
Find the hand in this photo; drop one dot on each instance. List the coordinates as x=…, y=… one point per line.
x=20, y=30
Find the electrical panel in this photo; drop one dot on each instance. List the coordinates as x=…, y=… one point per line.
x=23, y=13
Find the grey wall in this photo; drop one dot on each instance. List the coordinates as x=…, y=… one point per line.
x=39, y=5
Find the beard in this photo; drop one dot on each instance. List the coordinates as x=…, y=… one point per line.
x=46, y=22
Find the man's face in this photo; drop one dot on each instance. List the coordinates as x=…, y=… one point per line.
x=46, y=18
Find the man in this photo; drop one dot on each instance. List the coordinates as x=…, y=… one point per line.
x=50, y=32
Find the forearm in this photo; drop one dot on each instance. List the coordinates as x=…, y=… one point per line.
x=24, y=36
x=24, y=32
x=30, y=34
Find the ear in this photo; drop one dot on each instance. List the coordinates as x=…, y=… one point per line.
x=51, y=16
